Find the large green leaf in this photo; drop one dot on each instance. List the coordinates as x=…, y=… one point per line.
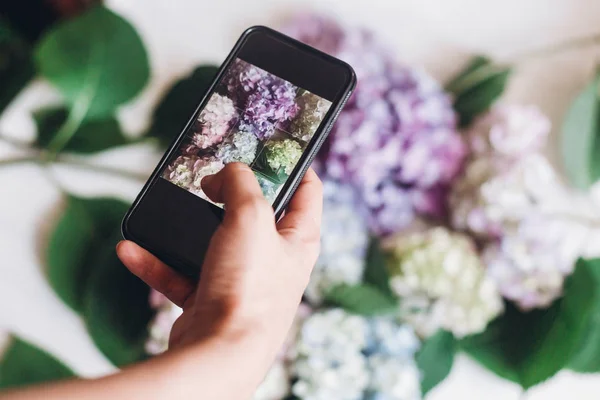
x=362, y=299
x=97, y=59
x=435, y=359
x=91, y=136
x=24, y=364
x=180, y=102
x=581, y=137
x=376, y=272
x=587, y=357
x=116, y=309
x=16, y=64
x=477, y=88
x=86, y=227
x=529, y=348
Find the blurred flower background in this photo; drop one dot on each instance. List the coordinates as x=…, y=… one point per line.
x=461, y=210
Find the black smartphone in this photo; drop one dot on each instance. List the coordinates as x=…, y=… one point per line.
x=271, y=105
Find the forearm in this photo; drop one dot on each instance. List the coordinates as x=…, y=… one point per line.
x=214, y=369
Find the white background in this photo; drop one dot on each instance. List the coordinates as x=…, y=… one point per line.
x=436, y=34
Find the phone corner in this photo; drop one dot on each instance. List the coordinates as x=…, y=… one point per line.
x=125, y=230
x=256, y=29
x=350, y=75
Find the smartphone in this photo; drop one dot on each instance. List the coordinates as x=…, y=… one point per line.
x=271, y=106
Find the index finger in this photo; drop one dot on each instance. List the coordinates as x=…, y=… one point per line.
x=303, y=215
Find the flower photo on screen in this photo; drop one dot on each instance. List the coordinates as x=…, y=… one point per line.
x=255, y=118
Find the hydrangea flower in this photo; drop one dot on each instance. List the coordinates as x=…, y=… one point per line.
x=506, y=178
x=442, y=282
x=214, y=121
x=265, y=98
x=312, y=112
x=344, y=241
x=187, y=172
x=160, y=326
x=396, y=138
x=495, y=194
x=509, y=131
x=336, y=351
x=239, y=146
x=283, y=154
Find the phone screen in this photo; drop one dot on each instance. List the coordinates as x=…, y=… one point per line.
x=253, y=117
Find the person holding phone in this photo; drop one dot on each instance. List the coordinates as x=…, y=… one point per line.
x=236, y=317
x=228, y=225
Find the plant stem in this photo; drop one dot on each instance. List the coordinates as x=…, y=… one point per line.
x=546, y=51
x=18, y=160
x=16, y=143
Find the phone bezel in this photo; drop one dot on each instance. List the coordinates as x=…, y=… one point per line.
x=282, y=200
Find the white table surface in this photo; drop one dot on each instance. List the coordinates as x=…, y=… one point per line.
x=437, y=34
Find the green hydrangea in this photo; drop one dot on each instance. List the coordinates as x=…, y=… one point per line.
x=283, y=154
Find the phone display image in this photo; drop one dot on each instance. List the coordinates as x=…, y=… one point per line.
x=253, y=117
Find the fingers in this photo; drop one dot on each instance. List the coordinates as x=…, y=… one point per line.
x=154, y=272
x=302, y=219
x=237, y=187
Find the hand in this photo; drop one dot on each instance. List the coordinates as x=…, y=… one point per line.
x=255, y=270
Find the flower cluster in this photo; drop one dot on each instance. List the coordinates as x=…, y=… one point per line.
x=312, y=111
x=344, y=240
x=512, y=200
x=442, y=282
x=265, y=98
x=282, y=155
x=214, y=121
x=396, y=138
x=251, y=110
x=240, y=146
x=342, y=356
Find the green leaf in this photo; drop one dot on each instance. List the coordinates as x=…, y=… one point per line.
x=435, y=359
x=97, y=60
x=362, y=299
x=580, y=137
x=86, y=227
x=116, y=309
x=90, y=137
x=376, y=272
x=477, y=88
x=261, y=167
x=587, y=356
x=24, y=364
x=16, y=64
x=529, y=348
x=180, y=102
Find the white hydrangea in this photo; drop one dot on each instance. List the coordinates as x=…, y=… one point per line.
x=442, y=282
x=239, y=146
x=343, y=356
x=532, y=258
x=509, y=131
x=160, y=326
x=344, y=240
x=394, y=373
x=328, y=360
x=495, y=193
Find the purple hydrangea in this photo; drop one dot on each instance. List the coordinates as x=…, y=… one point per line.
x=396, y=139
x=266, y=99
